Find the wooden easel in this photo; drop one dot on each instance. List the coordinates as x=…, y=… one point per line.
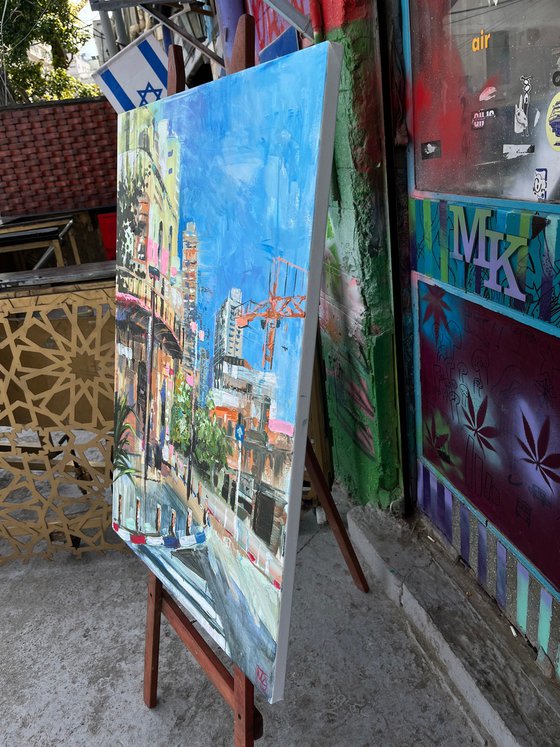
x=236, y=689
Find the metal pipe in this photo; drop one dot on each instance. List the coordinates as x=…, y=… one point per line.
x=45, y=257
x=184, y=34
x=66, y=228
x=122, y=31
x=109, y=42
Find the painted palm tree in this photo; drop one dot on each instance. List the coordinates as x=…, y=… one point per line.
x=536, y=452
x=121, y=432
x=436, y=308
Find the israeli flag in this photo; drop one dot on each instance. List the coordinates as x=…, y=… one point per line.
x=136, y=75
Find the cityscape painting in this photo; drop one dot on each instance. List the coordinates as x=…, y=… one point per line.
x=222, y=201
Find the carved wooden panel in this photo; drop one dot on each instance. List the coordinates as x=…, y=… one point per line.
x=56, y=416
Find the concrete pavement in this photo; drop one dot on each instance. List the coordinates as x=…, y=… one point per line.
x=72, y=630
x=460, y=628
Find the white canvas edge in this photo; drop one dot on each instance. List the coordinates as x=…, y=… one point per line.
x=317, y=250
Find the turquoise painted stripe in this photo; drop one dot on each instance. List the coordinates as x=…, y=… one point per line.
x=523, y=264
x=419, y=225
x=443, y=247
x=407, y=50
x=522, y=597
x=534, y=275
x=412, y=236
x=434, y=212
x=456, y=268
x=545, y=617
x=428, y=238
x=509, y=222
x=552, y=237
x=412, y=219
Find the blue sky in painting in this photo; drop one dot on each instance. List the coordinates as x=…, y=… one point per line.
x=248, y=167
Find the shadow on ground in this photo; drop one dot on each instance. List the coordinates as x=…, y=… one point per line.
x=72, y=655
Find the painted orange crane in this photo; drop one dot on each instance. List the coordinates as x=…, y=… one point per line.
x=286, y=300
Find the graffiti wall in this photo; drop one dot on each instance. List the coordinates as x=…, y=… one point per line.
x=490, y=416
x=486, y=95
x=486, y=351
x=484, y=119
x=487, y=313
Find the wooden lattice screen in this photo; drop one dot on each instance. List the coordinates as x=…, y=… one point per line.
x=56, y=415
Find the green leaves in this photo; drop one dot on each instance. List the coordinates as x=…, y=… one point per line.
x=212, y=445
x=121, y=431
x=47, y=22
x=181, y=415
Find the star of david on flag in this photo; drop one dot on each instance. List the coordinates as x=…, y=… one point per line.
x=149, y=90
x=136, y=76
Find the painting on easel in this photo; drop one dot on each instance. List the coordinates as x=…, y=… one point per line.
x=222, y=199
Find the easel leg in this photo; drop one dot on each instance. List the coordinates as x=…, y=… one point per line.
x=322, y=489
x=151, y=658
x=243, y=731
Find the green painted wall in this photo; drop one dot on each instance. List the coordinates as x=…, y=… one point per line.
x=356, y=308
